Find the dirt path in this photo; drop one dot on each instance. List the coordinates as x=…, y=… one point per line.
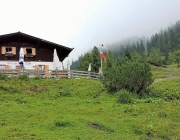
x=165, y=78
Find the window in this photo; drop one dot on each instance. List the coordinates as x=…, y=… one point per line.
x=41, y=67
x=2, y=67
x=29, y=50
x=8, y=49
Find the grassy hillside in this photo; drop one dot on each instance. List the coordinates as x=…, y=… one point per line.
x=80, y=109
x=163, y=72
x=166, y=82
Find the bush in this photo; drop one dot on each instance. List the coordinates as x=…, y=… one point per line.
x=131, y=75
x=125, y=97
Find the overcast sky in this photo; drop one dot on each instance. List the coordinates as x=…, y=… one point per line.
x=82, y=24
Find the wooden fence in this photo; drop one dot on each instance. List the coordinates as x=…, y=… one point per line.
x=50, y=73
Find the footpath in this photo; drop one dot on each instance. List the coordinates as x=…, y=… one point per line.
x=165, y=78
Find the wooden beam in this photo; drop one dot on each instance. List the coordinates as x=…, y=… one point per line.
x=19, y=39
x=38, y=43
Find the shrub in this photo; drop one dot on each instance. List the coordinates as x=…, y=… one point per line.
x=131, y=75
x=125, y=97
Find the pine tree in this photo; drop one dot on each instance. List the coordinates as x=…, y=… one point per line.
x=172, y=40
x=127, y=54
x=142, y=47
x=175, y=56
x=84, y=63
x=154, y=57
x=96, y=61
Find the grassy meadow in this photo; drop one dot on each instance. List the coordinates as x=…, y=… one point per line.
x=162, y=72
x=82, y=109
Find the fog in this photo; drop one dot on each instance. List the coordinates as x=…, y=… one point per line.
x=116, y=20
x=83, y=24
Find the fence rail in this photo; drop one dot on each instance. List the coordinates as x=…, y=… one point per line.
x=50, y=73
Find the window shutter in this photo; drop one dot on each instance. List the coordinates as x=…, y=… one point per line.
x=7, y=67
x=24, y=49
x=14, y=50
x=3, y=50
x=46, y=67
x=33, y=51
x=36, y=67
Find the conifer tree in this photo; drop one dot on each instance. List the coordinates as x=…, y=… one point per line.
x=175, y=56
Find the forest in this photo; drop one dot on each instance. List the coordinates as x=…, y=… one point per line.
x=157, y=49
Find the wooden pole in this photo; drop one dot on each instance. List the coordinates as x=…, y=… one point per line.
x=101, y=64
x=38, y=72
x=18, y=72
x=56, y=72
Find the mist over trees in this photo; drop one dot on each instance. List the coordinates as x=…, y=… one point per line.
x=156, y=49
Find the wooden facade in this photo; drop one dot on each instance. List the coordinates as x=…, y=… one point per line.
x=35, y=49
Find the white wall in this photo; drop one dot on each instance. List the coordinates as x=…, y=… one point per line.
x=29, y=65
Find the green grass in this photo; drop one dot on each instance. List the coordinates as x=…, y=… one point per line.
x=168, y=89
x=80, y=109
x=162, y=72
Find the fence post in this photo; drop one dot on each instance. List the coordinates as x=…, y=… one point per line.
x=71, y=74
x=89, y=74
x=56, y=73
x=38, y=72
x=18, y=73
